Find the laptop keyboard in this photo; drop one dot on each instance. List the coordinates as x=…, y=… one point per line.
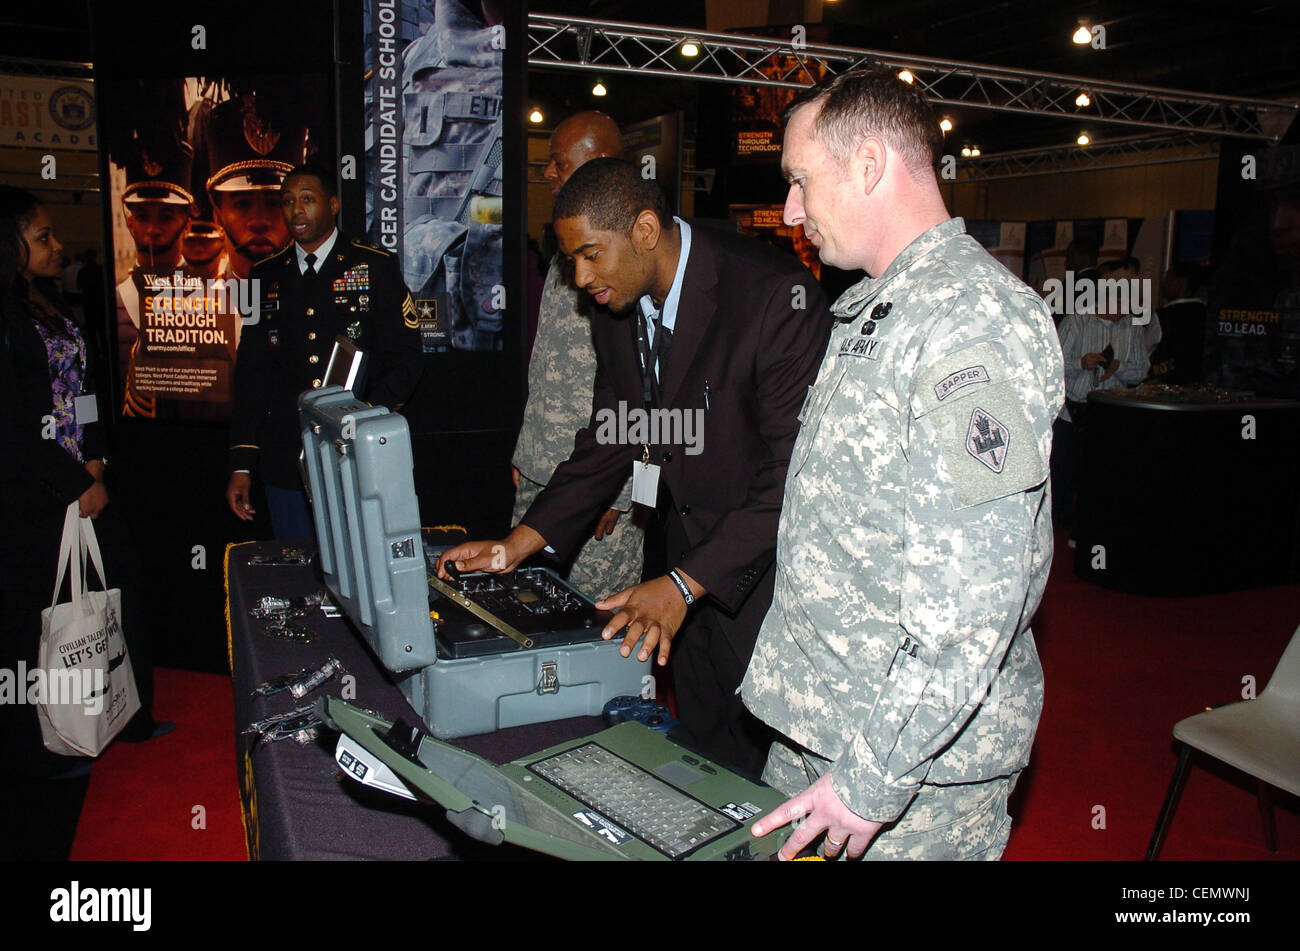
x=652, y=810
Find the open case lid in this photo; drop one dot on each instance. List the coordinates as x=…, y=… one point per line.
x=359, y=470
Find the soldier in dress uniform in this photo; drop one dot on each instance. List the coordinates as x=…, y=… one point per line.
x=323, y=285
x=896, y=661
x=561, y=375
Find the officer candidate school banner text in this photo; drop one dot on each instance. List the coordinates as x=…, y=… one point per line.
x=196, y=166
x=47, y=113
x=433, y=162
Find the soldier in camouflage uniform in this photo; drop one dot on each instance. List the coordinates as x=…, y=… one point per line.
x=915, y=537
x=560, y=378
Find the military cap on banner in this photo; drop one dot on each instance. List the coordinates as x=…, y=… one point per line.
x=253, y=141
x=157, y=169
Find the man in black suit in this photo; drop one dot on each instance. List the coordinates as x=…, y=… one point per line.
x=745, y=330
x=321, y=286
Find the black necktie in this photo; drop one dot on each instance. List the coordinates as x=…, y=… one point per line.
x=311, y=265
x=665, y=345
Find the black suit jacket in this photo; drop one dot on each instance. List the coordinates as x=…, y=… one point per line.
x=742, y=332
x=358, y=294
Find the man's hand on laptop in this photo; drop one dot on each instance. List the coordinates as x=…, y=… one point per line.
x=822, y=811
x=494, y=556
x=654, y=610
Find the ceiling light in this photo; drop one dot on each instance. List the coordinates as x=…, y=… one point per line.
x=906, y=75
x=690, y=48
x=1082, y=36
x=535, y=116
x=1083, y=138
x=599, y=89
x=1083, y=100
x=945, y=124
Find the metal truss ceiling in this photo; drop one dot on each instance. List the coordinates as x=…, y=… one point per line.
x=1111, y=153
x=609, y=47
x=54, y=69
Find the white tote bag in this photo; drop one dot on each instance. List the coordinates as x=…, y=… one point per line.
x=90, y=691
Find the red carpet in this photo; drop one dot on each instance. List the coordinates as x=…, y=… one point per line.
x=1121, y=670
x=144, y=798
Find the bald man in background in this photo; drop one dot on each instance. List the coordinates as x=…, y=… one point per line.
x=561, y=375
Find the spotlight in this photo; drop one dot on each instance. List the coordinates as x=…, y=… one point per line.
x=535, y=117
x=945, y=124
x=965, y=151
x=975, y=151
x=1083, y=100
x=1083, y=138
x=1082, y=36
x=690, y=48
x=599, y=89
x=906, y=75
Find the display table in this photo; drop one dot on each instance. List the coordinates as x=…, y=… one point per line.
x=297, y=804
x=1189, y=491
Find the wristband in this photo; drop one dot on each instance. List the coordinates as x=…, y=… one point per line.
x=683, y=587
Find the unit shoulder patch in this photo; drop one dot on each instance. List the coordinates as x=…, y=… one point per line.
x=969, y=404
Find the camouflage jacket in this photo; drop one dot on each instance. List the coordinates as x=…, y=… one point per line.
x=561, y=376
x=916, y=537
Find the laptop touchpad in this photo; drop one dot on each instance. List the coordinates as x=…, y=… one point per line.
x=677, y=773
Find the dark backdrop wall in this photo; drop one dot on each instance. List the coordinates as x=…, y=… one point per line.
x=170, y=477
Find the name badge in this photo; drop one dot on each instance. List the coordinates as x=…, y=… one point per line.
x=645, y=483
x=86, y=409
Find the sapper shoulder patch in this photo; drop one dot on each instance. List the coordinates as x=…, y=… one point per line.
x=959, y=378
x=975, y=417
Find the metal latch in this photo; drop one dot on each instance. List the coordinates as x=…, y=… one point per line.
x=550, y=680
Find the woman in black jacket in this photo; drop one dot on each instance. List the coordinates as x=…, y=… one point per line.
x=54, y=455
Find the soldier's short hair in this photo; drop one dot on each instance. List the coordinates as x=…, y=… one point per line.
x=610, y=193
x=317, y=171
x=872, y=102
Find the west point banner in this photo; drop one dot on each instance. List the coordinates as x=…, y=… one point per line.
x=433, y=162
x=195, y=167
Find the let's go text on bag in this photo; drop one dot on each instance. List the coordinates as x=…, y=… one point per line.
x=72, y=685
